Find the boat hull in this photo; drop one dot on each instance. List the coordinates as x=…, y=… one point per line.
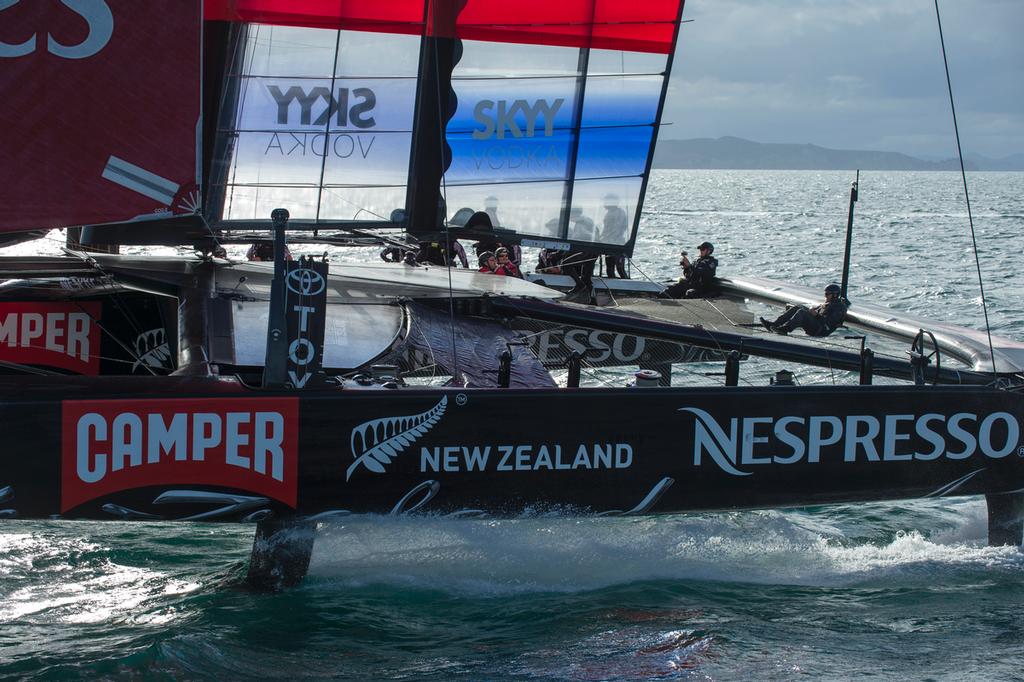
x=211, y=449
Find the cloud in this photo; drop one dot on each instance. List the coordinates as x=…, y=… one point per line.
x=863, y=75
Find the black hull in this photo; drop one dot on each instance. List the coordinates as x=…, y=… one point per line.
x=169, y=448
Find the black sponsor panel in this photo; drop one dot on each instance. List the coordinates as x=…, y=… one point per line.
x=605, y=451
x=118, y=333
x=215, y=451
x=139, y=334
x=306, y=311
x=30, y=459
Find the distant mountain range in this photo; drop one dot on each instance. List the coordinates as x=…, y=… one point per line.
x=737, y=153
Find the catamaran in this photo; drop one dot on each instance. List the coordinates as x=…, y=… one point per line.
x=286, y=394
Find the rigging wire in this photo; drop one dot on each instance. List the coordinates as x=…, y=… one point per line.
x=444, y=199
x=967, y=196
x=115, y=296
x=107, y=282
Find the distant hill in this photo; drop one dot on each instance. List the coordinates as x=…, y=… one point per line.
x=1014, y=162
x=737, y=153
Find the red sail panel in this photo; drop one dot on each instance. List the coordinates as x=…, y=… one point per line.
x=382, y=16
x=646, y=26
x=101, y=111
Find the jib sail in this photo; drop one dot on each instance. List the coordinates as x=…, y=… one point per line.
x=101, y=111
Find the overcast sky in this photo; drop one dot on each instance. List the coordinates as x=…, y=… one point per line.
x=851, y=74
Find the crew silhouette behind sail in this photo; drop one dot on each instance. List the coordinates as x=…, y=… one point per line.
x=614, y=231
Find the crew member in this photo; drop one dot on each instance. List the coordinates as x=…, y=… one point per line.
x=698, y=277
x=488, y=263
x=505, y=264
x=263, y=251
x=549, y=262
x=821, y=320
x=437, y=253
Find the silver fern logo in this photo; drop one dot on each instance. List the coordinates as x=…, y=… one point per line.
x=376, y=442
x=152, y=350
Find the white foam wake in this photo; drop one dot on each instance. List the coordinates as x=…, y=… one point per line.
x=571, y=554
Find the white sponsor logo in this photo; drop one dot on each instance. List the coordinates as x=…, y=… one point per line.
x=152, y=350
x=66, y=333
x=552, y=345
x=305, y=282
x=374, y=443
x=528, y=457
x=744, y=442
x=377, y=442
x=302, y=351
x=98, y=18
x=250, y=440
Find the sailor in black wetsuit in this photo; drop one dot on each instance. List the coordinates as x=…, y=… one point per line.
x=698, y=277
x=440, y=253
x=821, y=320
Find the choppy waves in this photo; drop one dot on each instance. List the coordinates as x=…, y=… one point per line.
x=898, y=590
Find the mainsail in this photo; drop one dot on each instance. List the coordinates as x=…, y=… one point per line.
x=419, y=114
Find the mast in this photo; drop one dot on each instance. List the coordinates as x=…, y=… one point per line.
x=435, y=105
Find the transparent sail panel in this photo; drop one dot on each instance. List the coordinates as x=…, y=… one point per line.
x=604, y=211
x=322, y=125
x=529, y=208
x=290, y=51
x=621, y=100
x=620, y=62
x=541, y=157
x=613, y=152
x=557, y=145
x=502, y=60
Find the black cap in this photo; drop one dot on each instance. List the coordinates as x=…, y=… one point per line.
x=833, y=289
x=707, y=245
x=485, y=256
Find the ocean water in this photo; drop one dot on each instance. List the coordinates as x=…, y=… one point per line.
x=901, y=590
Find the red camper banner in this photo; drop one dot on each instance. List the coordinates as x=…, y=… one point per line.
x=51, y=334
x=101, y=110
x=250, y=444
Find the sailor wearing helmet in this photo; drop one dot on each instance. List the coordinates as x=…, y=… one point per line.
x=505, y=265
x=821, y=320
x=488, y=263
x=698, y=277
